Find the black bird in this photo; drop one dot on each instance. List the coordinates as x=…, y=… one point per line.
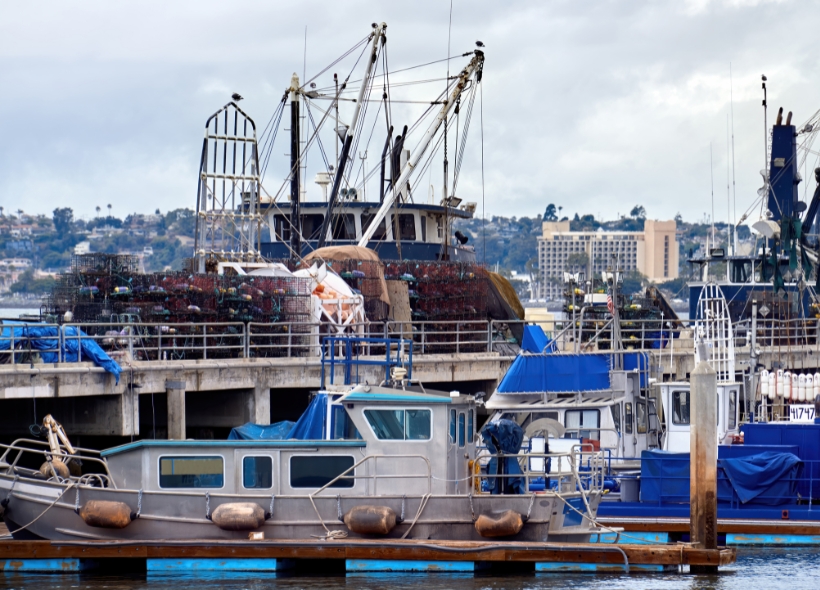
x=479, y=44
x=236, y=96
x=313, y=84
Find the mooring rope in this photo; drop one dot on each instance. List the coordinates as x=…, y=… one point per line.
x=49, y=507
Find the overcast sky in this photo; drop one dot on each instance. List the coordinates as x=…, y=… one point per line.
x=594, y=106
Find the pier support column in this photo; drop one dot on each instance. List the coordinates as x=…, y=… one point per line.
x=175, y=391
x=260, y=405
x=703, y=459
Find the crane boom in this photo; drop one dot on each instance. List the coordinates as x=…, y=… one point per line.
x=474, y=67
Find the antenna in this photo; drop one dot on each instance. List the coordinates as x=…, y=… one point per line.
x=712, y=178
x=765, y=130
x=728, y=194
x=734, y=189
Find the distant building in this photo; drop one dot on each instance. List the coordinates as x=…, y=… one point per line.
x=653, y=252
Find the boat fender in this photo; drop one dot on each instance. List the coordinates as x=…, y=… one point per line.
x=60, y=468
x=370, y=520
x=238, y=516
x=504, y=524
x=106, y=514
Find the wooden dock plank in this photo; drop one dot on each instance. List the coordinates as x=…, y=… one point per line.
x=657, y=525
x=359, y=549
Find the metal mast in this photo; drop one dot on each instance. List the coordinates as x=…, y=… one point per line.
x=344, y=158
x=295, y=218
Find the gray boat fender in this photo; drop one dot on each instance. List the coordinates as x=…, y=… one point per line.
x=106, y=514
x=504, y=524
x=238, y=516
x=370, y=520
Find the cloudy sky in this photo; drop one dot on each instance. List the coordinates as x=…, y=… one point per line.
x=594, y=106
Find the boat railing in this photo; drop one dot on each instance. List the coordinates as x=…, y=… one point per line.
x=27, y=450
x=582, y=468
x=427, y=475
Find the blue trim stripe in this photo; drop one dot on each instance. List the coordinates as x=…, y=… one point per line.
x=773, y=540
x=393, y=398
x=40, y=565
x=233, y=444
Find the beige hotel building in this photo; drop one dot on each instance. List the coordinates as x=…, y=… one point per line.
x=653, y=251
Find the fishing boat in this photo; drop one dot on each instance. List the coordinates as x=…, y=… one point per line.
x=383, y=461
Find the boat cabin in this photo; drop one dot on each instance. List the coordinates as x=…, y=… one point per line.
x=379, y=440
x=421, y=229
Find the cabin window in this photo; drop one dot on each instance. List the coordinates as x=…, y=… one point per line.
x=616, y=416
x=315, y=471
x=423, y=228
x=680, y=407
x=640, y=414
x=452, y=426
x=281, y=227
x=381, y=231
x=524, y=419
x=341, y=426
x=344, y=227
x=471, y=426
x=257, y=472
x=407, y=226
x=732, y=417
x=191, y=472
x=312, y=225
x=461, y=427
x=400, y=424
x=628, y=418
x=582, y=424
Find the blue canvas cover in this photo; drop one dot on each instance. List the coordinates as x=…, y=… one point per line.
x=536, y=341
x=311, y=424
x=766, y=478
x=556, y=373
x=251, y=431
x=46, y=340
x=504, y=436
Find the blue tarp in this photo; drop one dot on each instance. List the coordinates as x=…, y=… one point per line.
x=504, y=436
x=46, y=340
x=536, y=341
x=766, y=478
x=563, y=373
x=251, y=431
x=311, y=424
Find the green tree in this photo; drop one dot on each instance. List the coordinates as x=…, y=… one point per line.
x=63, y=220
x=27, y=283
x=638, y=212
x=550, y=214
x=577, y=261
x=633, y=282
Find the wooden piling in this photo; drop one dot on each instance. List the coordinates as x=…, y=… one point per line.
x=703, y=459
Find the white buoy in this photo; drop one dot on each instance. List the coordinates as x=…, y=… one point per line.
x=809, y=387
x=816, y=385
x=786, y=377
x=772, y=385
x=764, y=384
x=801, y=388
x=795, y=388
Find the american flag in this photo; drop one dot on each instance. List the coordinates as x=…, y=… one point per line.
x=610, y=305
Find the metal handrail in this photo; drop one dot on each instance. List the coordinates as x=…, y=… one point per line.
x=46, y=453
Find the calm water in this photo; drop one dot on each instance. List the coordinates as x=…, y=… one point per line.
x=756, y=568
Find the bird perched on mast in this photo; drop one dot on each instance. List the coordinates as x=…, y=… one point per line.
x=479, y=44
x=236, y=96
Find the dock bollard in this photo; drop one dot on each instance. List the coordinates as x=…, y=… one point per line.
x=703, y=459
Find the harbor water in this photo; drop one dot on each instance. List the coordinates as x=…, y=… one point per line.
x=770, y=568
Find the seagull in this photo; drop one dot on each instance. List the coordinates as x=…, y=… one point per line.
x=236, y=96
x=479, y=44
x=313, y=84
x=763, y=77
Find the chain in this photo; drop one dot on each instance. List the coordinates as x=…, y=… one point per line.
x=208, y=505
x=339, y=508
x=77, y=501
x=401, y=518
x=272, y=498
x=139, y=503
x=529, y=508
x=472, y=512
x=5, y=502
